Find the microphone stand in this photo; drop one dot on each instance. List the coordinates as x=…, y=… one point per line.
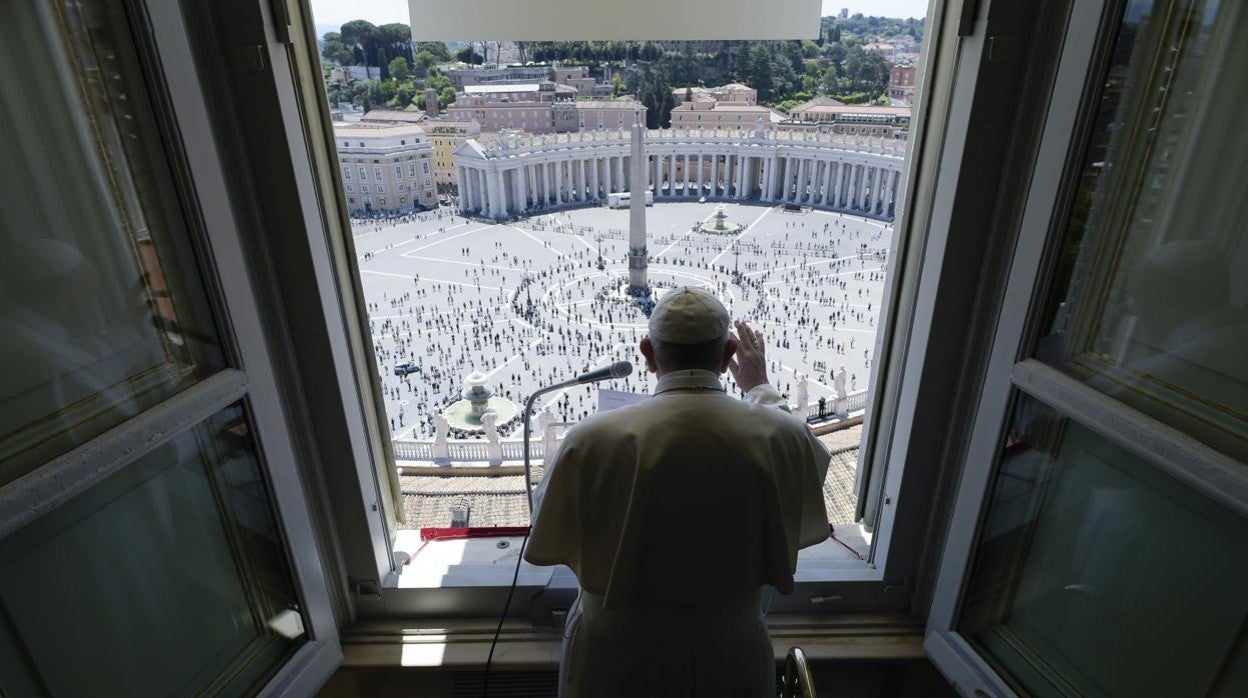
x=528, y=410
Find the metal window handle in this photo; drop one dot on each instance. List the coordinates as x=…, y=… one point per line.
x=797, y=672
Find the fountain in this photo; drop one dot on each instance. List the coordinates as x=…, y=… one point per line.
x=468, y=413
x=719, y=225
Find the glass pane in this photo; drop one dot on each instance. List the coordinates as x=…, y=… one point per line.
x=1096, y=574
x=169, y=578
x=1151, y=303
x=102, y=313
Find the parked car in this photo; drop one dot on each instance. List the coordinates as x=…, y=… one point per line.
x=405, y=368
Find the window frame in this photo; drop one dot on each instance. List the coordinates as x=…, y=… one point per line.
x=248, y=378
x=1091, y=32
x=908, y=462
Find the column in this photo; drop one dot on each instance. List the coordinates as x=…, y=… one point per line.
x=803, y=172
x=593, y=179
x=786, y=181
x=561, y=193
x=654, y=174
x=715, y=188
x=618, y=163
x=582, y=180
x=743, y=186
x=698, y=177
x=829, y=173
x=478, y=193
x=768, y=167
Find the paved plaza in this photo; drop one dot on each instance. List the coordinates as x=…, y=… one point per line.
x=528, y=303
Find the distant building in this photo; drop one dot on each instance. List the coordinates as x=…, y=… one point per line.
x=446, y=135
x=708, y=113
x=431, y=101
x=544, y=107
x=611, y=114
x=463, y=77
x=735, y=93
x=853, y=119
x=385, y=166
x=901, y=83
x=343, y=73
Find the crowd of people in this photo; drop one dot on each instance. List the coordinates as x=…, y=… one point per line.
x=528, y=306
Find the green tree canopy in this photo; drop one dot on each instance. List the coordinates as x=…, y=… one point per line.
x=468, y=55
x=398, y=69
x=360, y=37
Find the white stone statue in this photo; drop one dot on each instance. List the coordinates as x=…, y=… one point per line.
x=801, y=396
x=493, y=447
x=549, y=444
x=441, y=451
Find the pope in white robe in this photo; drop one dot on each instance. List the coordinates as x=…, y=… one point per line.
x=676, y=512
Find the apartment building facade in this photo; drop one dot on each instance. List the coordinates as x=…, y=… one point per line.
x=385, y=167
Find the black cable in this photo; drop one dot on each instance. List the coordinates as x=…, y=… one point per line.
x=515, y=577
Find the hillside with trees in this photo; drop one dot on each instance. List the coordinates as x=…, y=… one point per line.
x=785, y=73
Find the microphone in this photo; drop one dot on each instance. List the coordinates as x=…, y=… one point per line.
x=619, y=369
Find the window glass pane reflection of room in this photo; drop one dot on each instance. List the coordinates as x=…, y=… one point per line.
x=1151, y=304
x=102, y=313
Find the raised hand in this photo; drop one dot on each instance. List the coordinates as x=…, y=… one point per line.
x=749, y=363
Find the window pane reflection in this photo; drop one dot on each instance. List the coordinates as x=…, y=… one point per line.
x=172, y=569
x=1151, y=300
x=102, y=313
x=1096, y=574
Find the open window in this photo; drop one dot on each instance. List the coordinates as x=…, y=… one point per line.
x=1098, y=540
x=155, y=535
x=510, y=279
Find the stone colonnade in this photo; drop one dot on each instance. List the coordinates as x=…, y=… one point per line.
x=543, y=173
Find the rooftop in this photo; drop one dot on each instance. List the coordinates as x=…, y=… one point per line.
x=851, y=109
x=400, y=115
x=375, y=129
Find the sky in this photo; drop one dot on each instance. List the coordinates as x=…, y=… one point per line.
x=336, y=12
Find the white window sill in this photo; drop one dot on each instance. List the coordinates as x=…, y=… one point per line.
x=490, y=562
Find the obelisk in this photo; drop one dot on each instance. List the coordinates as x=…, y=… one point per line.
x=637, y=254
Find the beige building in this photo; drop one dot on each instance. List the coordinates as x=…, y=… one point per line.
x=593, y=114
x=853, y=119
x=734, y=93
x=385, y=166
x=543, y=107
x=446, y=135
x=708, y=113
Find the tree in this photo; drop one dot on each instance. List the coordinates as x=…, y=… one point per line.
x=332, y=48
x=360, y=37
x=397, y=39
x=437, y=49
x=468, y=55
x=446, y=96
x=398, y=69
x=423, y=62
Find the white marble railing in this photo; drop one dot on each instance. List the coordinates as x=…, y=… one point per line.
x=511, y=144
x=477, y=451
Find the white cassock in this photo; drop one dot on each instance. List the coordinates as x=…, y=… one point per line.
x=674, y=513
